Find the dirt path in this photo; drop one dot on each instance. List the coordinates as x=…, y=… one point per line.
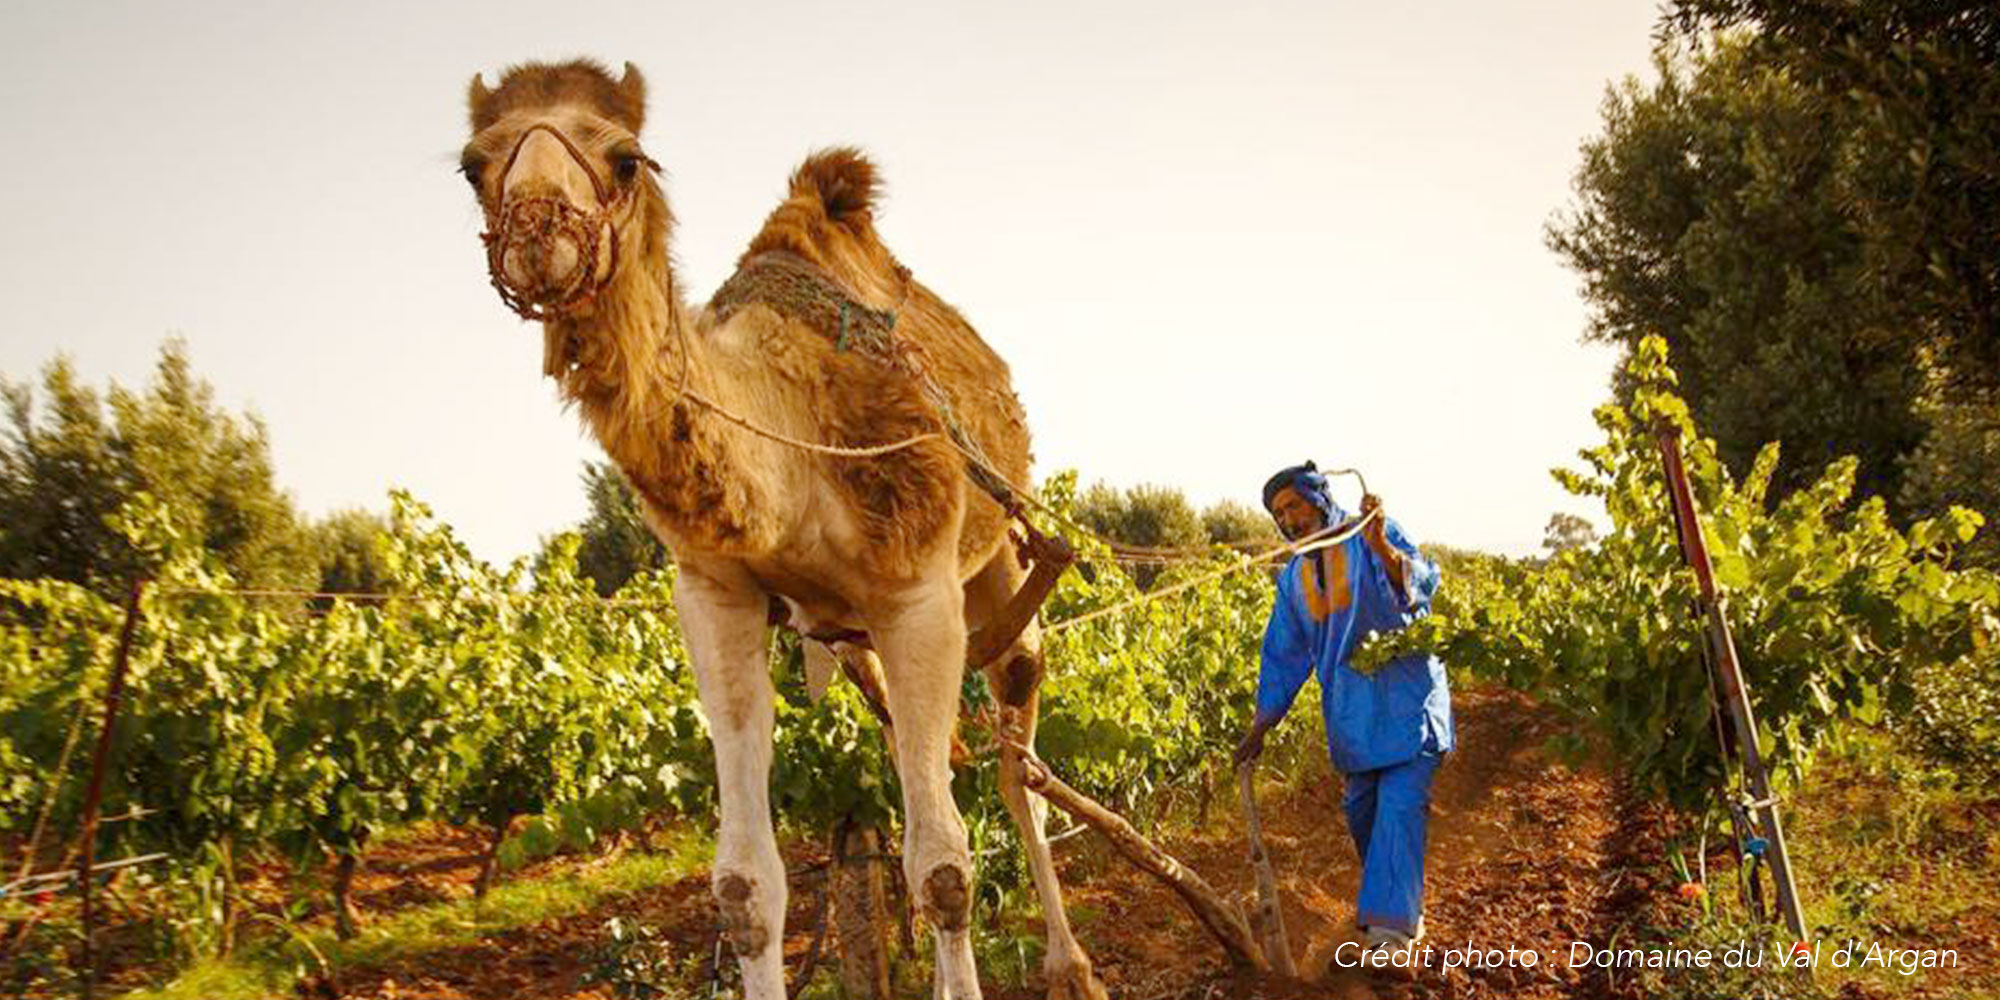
x=1517, y=845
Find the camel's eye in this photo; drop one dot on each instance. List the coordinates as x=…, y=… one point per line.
x=625, y=166
x=473, y=169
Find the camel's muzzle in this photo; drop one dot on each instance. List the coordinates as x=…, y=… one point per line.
x=546, y=256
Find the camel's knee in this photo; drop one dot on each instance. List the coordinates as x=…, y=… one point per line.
x=735, y=899
x=1020, y=679
x=947, y=898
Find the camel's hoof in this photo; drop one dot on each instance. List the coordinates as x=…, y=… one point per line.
x=747, y=934
x=1076, y=982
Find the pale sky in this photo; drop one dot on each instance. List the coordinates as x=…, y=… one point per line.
x=1210, y=239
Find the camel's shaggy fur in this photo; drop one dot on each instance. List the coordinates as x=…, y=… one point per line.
x=900, y=546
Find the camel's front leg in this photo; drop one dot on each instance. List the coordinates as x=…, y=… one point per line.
x=724, y=622
x=921, y=639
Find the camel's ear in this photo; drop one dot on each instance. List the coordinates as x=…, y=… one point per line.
x=633, y=89
x=476, y=96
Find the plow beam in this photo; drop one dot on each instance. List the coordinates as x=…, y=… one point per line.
x=1046, y=556
x=1217, y=915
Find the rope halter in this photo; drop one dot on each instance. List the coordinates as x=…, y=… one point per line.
x=536, y=226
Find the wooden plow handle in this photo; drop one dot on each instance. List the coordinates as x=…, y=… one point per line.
x=1269, y=917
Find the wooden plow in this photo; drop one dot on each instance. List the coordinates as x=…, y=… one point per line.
x=1254, y=940
x=1223, y=920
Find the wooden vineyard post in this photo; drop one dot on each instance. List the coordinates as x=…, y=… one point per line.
x=1733, y=695
x=1268, y=920
x=93, y=796
x=860, y=911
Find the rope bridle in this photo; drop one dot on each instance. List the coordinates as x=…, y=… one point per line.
x=543, y=218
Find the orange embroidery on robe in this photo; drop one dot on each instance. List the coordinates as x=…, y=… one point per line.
x=1336, y=596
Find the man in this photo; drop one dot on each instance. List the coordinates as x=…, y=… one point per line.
x=1386, y=731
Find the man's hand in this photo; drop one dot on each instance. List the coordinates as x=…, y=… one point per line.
x=1377, y=531
x=1252, y=746
x=1376, y=534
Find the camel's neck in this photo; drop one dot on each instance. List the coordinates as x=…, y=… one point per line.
x=620, y=362
x=624, y=363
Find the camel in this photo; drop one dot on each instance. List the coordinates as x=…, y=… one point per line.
x=897, y=545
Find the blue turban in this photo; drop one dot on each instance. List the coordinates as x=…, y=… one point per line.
x=1306, y=481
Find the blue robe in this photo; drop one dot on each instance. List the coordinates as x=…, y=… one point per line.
x=1385, y=732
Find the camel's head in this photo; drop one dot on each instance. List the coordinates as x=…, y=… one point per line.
x=556, y=164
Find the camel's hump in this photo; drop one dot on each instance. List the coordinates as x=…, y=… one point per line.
x=844, y=181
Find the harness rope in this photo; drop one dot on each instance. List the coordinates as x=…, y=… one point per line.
x=1334, y=535
x=794, y=288
x=1324, y=538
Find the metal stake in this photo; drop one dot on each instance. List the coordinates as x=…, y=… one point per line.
x=1728, y=677
x=113, y=692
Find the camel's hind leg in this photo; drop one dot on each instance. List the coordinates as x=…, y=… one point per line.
x=921, y=639
x=1015, y=679
x=725, y=627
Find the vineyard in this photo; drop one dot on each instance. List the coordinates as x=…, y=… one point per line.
x=478, y=697
x=519, y=704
